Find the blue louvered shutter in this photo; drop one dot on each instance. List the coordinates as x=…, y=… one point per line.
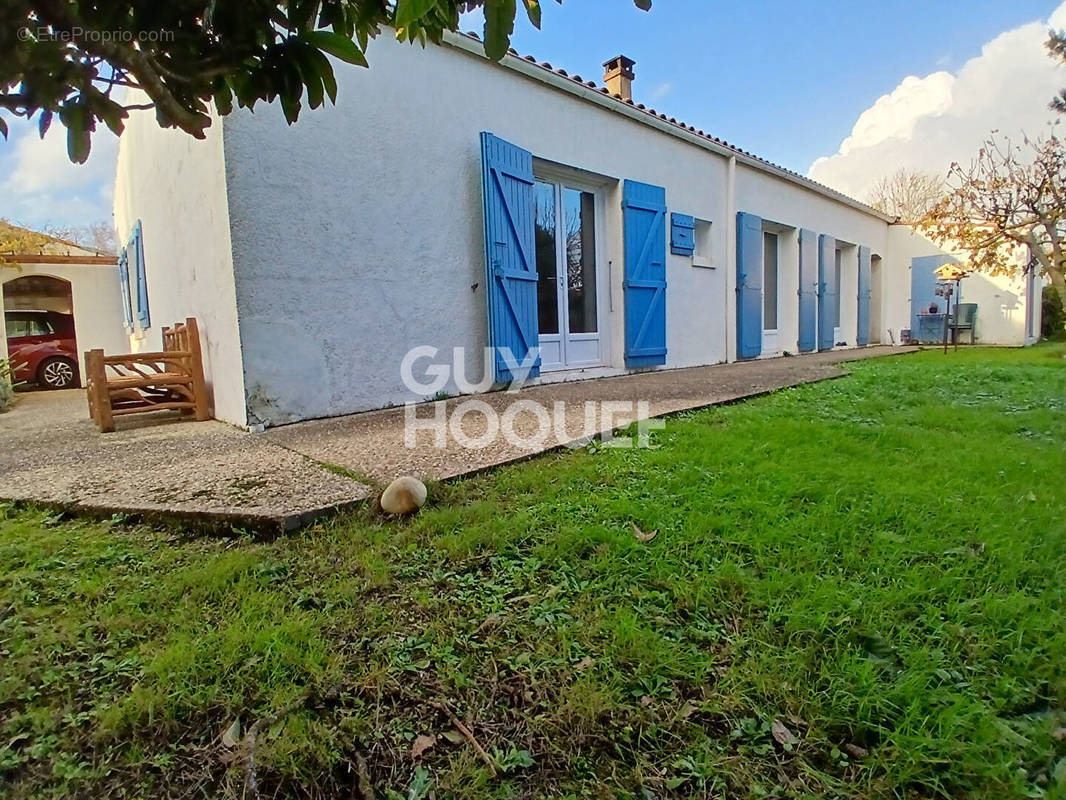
x=827, y=291
x=136, y=245
x=682, y=234
x=507, y=174
x=644, y=224
x=124, y=287
x=808, y=290
x=862, y=336
x=749, y=285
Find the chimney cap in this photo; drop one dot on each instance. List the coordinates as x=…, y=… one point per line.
x=620, y=62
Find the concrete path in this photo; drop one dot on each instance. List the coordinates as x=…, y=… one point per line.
x=154, y=466
x=212, y=473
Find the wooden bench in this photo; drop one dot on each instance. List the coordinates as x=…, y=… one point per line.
x=138, y=382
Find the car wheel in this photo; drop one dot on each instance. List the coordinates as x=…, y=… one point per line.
x=57, y=373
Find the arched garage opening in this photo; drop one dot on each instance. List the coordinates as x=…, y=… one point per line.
x=39, y=328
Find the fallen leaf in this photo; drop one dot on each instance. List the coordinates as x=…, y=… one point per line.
x=782, y=735
x=584, y=664
x=855, y=751
x=1059, y=734
x=641, y=536
x=422, y=743
x=454, y=736
x=232, y=735
x=688, y=710
x=491, y=621
x=645, y=701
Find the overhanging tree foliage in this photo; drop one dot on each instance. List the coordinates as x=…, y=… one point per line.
x=65, y=58
x=1009, y=196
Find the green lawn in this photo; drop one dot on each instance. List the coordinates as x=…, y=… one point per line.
x=858, y=589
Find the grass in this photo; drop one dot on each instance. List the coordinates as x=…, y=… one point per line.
x=856, y=591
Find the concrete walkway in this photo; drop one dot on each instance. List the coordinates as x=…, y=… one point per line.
x=212, y=473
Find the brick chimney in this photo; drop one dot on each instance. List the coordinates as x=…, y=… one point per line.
x=618, y=75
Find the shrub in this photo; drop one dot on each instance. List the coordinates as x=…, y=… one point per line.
x=1053, y=319
x=7, y=389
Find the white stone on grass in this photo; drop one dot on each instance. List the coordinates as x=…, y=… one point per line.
x=404, y=495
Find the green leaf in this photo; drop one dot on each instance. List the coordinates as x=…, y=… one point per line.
x=3, y=128
x=224, y=99
x=337, y=45
x=533, y=12
x=79, y=142
x=79, y=128
x=44, y=122
x=499, y=25
x=643, y=5
x=420, y=784
x=408, y=11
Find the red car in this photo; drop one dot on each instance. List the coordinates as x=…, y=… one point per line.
x=41, y=348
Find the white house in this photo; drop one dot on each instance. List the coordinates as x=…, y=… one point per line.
x=453, y=202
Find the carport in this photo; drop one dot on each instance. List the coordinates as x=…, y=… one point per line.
x=61, y=278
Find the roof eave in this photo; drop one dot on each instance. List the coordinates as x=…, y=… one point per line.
x=473, y=46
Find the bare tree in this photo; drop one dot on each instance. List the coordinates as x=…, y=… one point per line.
x=1056, y=45
x=907, y=194
x=99, y=236
x=1010, y=196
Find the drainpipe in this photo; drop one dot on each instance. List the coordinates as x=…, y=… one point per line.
x=731, y=256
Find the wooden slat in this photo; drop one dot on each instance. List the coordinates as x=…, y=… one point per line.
x=154, y=407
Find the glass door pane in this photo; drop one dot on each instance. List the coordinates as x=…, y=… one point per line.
x=580, y=216
x=547, y=258
x=769, y=281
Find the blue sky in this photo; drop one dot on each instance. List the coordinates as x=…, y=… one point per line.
x=843, y=91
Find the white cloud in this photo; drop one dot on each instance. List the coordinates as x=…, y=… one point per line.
x=927, y=123
x=662, y=90
x=41, y=188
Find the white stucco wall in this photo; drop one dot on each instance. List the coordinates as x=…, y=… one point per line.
x=96, y=303
x=1001, y=300
x=176, y=186
x=357, y=233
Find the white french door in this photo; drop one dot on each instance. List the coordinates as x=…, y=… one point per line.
x=567, y=287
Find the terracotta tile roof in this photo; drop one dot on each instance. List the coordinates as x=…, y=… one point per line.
x=651, y=112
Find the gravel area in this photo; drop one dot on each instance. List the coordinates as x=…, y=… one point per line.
x=50, y=452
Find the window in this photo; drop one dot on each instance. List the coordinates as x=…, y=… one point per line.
x=836, y=284
x=579, y=214
x=565, y=233
x=769, y=281
x=19, y=326
x=702, y=257
x=547, y=290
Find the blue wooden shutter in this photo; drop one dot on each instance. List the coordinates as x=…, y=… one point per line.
x=827, y=290
x=808, y=290
x=507, y=174
x=682, y=234
x=644, y=223
x=124, y=287
x=862, y=336
x=144, y=318
x=749, y=285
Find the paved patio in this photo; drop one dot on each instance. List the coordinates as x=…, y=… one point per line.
x=212, y=473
